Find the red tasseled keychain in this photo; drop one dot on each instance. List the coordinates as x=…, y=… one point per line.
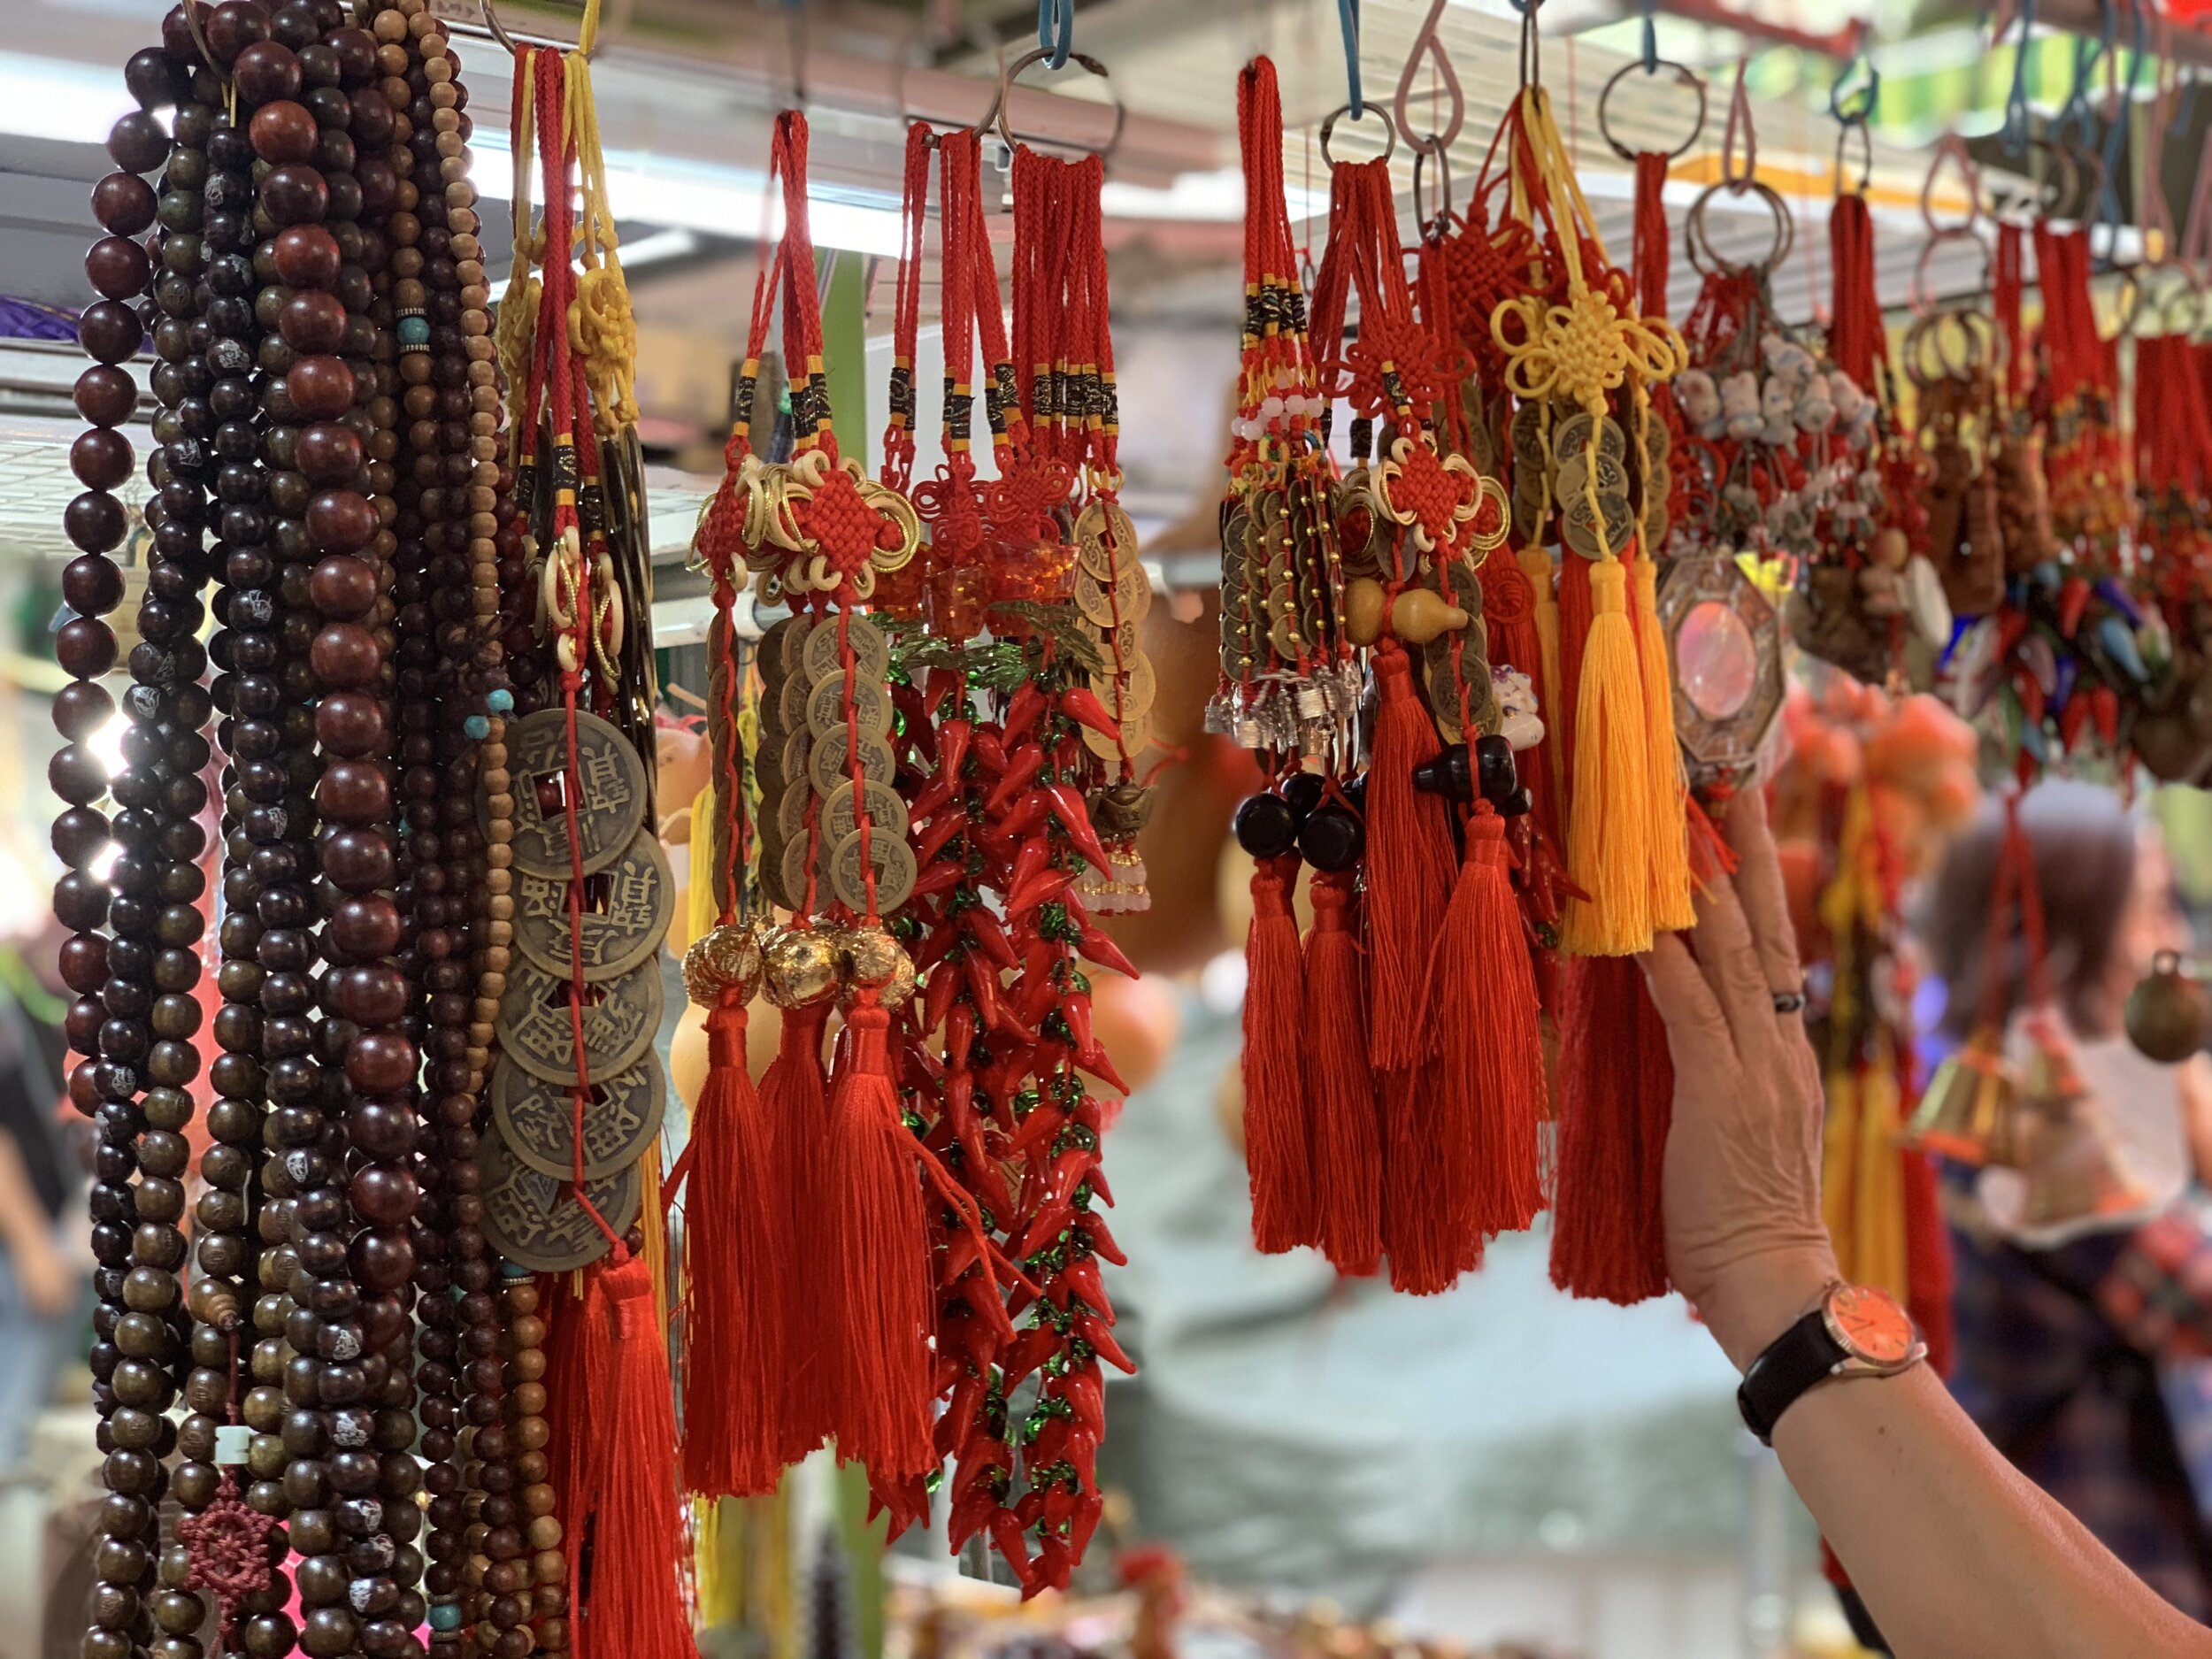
x=1277, y=1149
x=620, y=1471
x=1347, y=1130
x=879, y=1261
x=1492, y=1069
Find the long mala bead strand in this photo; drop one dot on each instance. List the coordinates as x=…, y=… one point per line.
x=224, y=1246
x=144, y=1040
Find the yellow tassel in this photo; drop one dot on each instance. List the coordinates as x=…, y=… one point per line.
x=1671, y=908
x=1535, y=565
x=653, y=1224
x=1609, y=830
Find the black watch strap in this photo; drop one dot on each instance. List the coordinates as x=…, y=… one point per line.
x=1802, y=1357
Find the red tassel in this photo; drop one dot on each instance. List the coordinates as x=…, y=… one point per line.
x=1605, y=1241
x=1928, y=1261
x=1408, y=870
x=795, y=1102
x=1426, y=1221
x=881, y=1308
x=1347, y=1139
x=1276, y=1154
x=633, y=1605
x=1492, y=1058
x=737, y=1244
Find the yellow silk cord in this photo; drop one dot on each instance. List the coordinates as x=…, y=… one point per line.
x=1535, y=565
x=1863, y=1187
x=602, y=326
x=512, y=330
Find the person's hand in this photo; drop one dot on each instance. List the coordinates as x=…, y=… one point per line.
x=48, y=1282
x=1741, y=1185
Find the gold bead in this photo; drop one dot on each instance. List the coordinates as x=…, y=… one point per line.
x=874, y=960
x=801, y=967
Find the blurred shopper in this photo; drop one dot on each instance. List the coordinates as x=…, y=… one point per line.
x=42, y=1278
x=2078, y=1345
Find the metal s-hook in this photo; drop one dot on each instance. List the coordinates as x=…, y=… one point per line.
x=1850, y=103
x=1425, y=44
x=1055, y=31
x=1347, y=21
x=586, y=46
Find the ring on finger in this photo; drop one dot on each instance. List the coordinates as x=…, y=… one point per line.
x=1790, y=1001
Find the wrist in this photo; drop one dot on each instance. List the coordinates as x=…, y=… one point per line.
x=1759, y=1299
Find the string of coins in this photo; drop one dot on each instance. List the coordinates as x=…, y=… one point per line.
x=1287, y=671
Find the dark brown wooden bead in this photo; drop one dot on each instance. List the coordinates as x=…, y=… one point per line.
x=138, y=143
x=124, y=203
x=84, y=648
x=322, y=386
x=283, y=132
x=307, y=256
x=110, y=330
x=328, y=453
x=101, y=459
x=232, y=27
x=107, y=396
x=295, y=194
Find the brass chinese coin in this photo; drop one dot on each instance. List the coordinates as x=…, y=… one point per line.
x=621, y=1017
x=626, y=909
x=537, y=1119
x=608, y=780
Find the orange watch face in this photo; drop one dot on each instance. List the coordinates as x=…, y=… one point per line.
x=1871, y=1325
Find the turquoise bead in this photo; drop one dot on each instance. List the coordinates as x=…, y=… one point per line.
x=445, y=1616
x=503, y=701
x=414, y=331
x=477, y=725
x=514, y=1270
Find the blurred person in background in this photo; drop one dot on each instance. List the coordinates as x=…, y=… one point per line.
x=43, y=1270
x=2078, y=1348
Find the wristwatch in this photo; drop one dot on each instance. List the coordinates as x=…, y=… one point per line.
x=1854, y=1331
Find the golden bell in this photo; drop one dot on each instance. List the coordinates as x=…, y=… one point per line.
x=2077, y=1171
x=1970, y=1110
x=2168, y=1013
x=869, y=959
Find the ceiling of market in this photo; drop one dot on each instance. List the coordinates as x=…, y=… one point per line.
x=686, y=90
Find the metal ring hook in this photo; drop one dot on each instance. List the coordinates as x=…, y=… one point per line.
x=588, y=48
x=1328, y=126
x=997, y=115
x=1684, y=74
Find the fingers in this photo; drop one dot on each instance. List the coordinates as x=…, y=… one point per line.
x=1697, y=1032
x=1759, y=885
x=1729, y=961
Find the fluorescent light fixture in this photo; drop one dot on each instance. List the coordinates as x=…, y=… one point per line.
x=1216, y=197
x=54, y=97
x=702, y=196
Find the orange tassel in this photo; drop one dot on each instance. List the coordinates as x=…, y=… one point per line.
x=1277, y=1157
x=1669, y=791
x=881, y=1308
x=737, y=1240
x=1610, y=831
x=1408, y=869
x=632, y=1604
x=1347, y=1140
x=795, y=1102
x=1493, y=1059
